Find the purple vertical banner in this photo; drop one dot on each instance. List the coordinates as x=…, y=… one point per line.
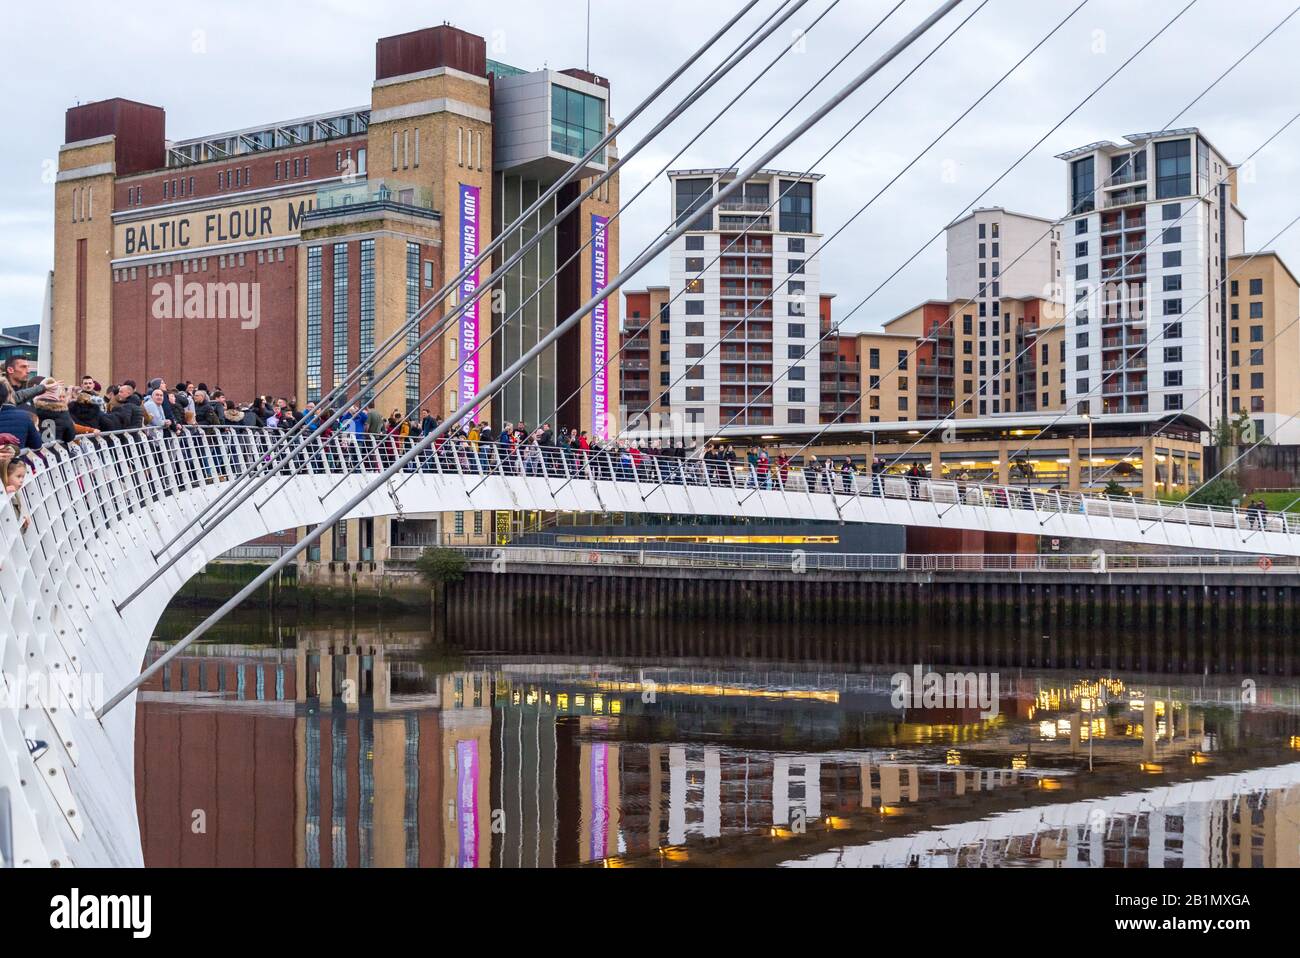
x=599, y=329
x=598, y=841
x=467, y=802
x=469, y=324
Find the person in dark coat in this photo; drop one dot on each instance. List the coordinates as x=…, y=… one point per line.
x=18, y=422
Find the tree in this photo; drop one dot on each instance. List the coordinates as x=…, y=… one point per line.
x=1240, y=430
x=1217, y=492
x=1114, y=490
x=441, y=567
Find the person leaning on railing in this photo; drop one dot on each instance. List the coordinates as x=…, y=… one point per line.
x=18, y=422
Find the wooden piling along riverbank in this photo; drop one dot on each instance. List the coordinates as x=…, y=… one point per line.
x=1180, y=621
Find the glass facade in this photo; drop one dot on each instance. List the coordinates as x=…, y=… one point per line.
x=529, y=304
x=413, y=334
x=1173, y=168
x=1083, y=184
x=340, y=312
x=366, y=320
x=690, y=195
x=577, y=122
x=313, y=325
x=796, y=207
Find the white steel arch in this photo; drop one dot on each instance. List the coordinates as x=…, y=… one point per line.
x=82, y=533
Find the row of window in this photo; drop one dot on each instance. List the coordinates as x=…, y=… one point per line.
x=199, y=265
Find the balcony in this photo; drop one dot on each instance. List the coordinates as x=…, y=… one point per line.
x=839, y=408
x=634, y=363
x=1117, y=342
x=835, y=366
x=1126, y=175
x=1127, y=197
x=1134, y=362
x=941, y=370
x=744, y=206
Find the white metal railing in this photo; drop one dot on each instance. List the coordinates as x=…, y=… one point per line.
x=99, y=479
x=875, y=562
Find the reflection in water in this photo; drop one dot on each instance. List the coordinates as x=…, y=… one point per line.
x=301, y=744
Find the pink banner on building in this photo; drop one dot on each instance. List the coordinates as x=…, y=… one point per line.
x=598, y=840
x=599, y=329
x=469, y=337
x=467, y=802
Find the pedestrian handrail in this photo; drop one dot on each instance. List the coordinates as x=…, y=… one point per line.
x=112, y=474
x=800, y=560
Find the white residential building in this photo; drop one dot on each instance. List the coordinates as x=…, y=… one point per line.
x=995, y=254
x=745, y=307
x=1151, y=224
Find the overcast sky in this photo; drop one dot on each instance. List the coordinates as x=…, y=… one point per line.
x=219, y=66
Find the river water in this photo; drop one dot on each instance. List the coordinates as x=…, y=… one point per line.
x=327, y=743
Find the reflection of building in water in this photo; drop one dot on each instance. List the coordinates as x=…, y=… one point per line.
x=336, y=753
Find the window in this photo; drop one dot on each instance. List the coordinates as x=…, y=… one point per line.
x=340, y=327
x=577, y=122
x=691, y=195
x=1172, y=283
x=695, y=242
x=1235, y=312
x=1257, y=334
x=796, y=331
x=795, y=374
x=1235, y=289
x=1080, y=341
x=664, y=356
x=1256, y=403
x=1080, y=363
x=313, y=323
x=1173, y=354
x=873, y=358
x=694, y=264
x=1257, y=310
x=1081, y=386
x=1256, y=287
x=1172, y=259
x=695, y=307
x=1171, y=211
x=1174, y=401
x=794, y=416
x=982, y=228
x=663, y=378
x=694, y=329
x=1080, y=250
x=902, y=359
x=1173, y=377
x=1173, y=307
x=795, y=394
x=1256, y=380
x=794, y=351
x=695, y=394
x=796, y=207
x=1172, y=235
x=1082, y=185
x=1173, y=168
x=1173, y=331
x=665, y=335
x=1080, y=227
x=795, y=266
x=1257, y=357
x=1081, y=271
x=694, y=350
x=795, y=245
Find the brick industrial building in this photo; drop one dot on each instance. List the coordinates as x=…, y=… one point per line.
x=271, y=259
